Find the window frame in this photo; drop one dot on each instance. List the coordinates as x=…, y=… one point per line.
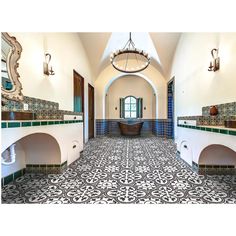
x=130, y=109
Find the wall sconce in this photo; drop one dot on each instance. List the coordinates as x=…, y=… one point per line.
x=46, y=69
x=215, y=63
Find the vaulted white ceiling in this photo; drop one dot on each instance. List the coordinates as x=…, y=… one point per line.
x=160, y=46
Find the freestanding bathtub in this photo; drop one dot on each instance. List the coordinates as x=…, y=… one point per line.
x=130, y=128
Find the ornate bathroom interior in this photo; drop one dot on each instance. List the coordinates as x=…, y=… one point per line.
x=48, y=138
x=118, y=118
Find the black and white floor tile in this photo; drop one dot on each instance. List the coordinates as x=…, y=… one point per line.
x=124, y=170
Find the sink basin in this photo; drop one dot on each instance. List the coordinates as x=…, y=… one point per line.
x=17, y=115
x=230, y=123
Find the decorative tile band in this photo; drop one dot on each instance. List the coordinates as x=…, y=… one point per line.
x=215, y=130
x=13, y=176
x=225, y=109
x=213, y=169
x=18, y=124
x=53, y=114
x=208, y=120
x=43, y=109
x=209, y=169
x=46, y=168
x=34, y=104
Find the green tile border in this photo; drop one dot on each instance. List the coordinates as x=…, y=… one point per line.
x=4, y=125
x=231, y=132
x=13, y=124
x=46, y=168
x=26, y=124
x=18, y=124
x=17, y=174
x=224, y=131
x=7, y=179
x=215, y=130
x=47, y=165
x=44, y=123
x=36, y=123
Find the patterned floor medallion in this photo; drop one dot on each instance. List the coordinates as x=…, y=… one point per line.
x=115, y=170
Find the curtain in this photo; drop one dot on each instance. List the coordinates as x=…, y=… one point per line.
x=122, y=108
x=139, y=108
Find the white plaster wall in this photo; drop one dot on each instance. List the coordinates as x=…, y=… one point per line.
x=67, y=54
x=151, y=74
x=65, y=135
x=197, y=140
x=125, y=86
x=195, y=86
x=153, y=105
x=107, y=107
x=18, y=165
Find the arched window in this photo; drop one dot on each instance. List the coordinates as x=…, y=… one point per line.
x=130, y=107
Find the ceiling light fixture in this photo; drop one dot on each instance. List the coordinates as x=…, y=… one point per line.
x=130, y=59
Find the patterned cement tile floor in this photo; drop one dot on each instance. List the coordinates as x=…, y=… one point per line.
x=123, y=170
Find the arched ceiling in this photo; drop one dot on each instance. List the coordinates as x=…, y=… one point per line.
x=160, y=46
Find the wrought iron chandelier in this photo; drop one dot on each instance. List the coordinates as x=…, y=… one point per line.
x=130, y=59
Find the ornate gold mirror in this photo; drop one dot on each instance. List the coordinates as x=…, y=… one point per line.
x=10, y=54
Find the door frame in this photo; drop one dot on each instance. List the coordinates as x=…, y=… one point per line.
x=172, y=80
x=90, y=86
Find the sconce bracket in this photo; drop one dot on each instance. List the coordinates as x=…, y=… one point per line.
x=215, y=63
x=46, y=69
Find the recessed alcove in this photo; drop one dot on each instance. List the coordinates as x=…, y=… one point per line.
x=41, y=148
x=217, y=155
x=38, y=149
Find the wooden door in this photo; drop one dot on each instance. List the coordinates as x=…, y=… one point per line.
x=91, y=110
x=79, y=94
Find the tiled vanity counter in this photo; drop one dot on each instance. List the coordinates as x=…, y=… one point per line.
x=200, y=138
x=192, y=141
x=41, y=145
x=49, y=142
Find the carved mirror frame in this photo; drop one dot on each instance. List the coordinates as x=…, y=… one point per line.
x=12, y=65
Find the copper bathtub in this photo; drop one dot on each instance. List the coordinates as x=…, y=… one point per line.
x=130, y=128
